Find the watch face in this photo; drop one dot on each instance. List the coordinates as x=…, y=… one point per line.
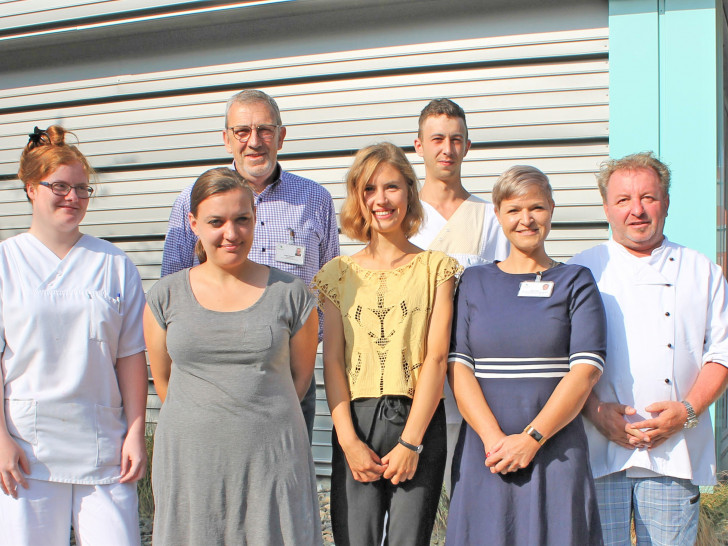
x=691, y=423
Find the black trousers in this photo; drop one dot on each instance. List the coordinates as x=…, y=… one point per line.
x=358, y=509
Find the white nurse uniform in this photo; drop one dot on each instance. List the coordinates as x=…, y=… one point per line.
x=63, y=324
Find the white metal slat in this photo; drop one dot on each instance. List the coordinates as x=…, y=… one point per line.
x=125, y=205
x=63, y=12
x=114, y=138
x=535, y=46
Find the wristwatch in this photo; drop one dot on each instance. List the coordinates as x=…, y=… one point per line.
x=536, y=435
x=692, y=420
x=416, y=449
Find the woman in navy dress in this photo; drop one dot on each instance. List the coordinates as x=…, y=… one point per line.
x=528, y=345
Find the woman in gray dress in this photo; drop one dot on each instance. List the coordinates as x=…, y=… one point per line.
x=231, y=347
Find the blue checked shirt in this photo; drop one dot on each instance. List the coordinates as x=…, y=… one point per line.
x=291, y=204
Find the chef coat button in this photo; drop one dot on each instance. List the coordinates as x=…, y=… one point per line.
x=667, y=381
x=667, y=313
x=672, y=259
x=668, y=285
x=669, y=345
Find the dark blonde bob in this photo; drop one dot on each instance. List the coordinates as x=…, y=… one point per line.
x=355, y=223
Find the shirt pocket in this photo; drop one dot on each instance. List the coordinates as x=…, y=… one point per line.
x=257, y=339
x=110, y=432
x=105, y=318
x=66, y=435
x=79, y=436
x=20, y=418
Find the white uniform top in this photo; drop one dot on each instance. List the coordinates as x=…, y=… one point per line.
x=667, y=315
x=459, y=238
x=63, y=324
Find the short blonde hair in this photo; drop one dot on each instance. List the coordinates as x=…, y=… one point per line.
x=517, y=180
x=642, y=160
x=354, y=224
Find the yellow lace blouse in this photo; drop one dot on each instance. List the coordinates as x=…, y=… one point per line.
x=385, y=315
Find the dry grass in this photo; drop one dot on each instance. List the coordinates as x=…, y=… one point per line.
x=144, y=486
x=713, y=524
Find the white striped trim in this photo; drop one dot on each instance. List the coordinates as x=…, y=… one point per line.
x=523, y=367
x=461, y=359
x=592, y=359
x=518, y=375
x=541, y=359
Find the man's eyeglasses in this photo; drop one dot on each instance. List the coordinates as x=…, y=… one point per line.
x=265, y=132
x=62, y=189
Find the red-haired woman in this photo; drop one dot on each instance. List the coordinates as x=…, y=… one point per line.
x=73, y=368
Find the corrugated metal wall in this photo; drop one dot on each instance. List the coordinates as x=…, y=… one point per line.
x=540, y=99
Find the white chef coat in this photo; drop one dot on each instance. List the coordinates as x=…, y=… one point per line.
x=667, y=315
x=63, y=324
x=460, y=239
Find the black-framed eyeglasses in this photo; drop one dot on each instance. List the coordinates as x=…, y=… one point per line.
x=62, y=189
x=266, y=132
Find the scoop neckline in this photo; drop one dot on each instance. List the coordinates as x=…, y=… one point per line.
x=530, y=274
x=362, y=268
x=191, y=294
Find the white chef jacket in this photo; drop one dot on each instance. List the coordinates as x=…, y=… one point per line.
x=460, y=239
x=667, y=315
x=63, y=324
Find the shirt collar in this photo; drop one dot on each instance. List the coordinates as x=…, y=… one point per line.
x=653, y=255
x=270, y=187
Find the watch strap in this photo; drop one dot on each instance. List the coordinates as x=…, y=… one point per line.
x=692, y=416
x=536, y=435
x=416, y=449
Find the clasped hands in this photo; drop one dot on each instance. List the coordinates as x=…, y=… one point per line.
x=397, y=466
x=668, y=418
x=510, y=453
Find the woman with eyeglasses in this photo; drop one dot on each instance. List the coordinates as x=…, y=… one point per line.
x=72, y=364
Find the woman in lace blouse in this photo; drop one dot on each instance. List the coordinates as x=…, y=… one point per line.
x=387, y=316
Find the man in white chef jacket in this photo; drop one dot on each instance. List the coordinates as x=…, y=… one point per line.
x=651, y=439
x=456, y=222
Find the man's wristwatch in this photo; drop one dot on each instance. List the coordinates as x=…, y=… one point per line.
x=692, y=421
x=416, y=449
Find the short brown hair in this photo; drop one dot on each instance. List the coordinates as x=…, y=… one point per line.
x=212, y=182
x=642, y=160
x=45, y=152
x=516, y=181
x=441, y=107
x=354, y=224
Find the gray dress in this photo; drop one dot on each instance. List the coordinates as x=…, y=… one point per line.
x=232, y=463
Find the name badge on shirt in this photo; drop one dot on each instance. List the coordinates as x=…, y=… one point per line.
x=536, y=289
x=290, y=253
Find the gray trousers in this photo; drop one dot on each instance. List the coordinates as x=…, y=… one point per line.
x=358, y=509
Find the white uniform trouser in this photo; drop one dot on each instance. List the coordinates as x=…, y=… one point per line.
x=104, y=515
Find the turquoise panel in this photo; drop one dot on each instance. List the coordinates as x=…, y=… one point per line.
x=664, y=97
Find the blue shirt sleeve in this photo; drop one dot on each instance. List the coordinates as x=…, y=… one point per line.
x=459, y=344
x=588, y=341
x=330, y=242
x=179, y=245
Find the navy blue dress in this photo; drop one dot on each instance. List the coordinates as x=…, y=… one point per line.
x=520, y=348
